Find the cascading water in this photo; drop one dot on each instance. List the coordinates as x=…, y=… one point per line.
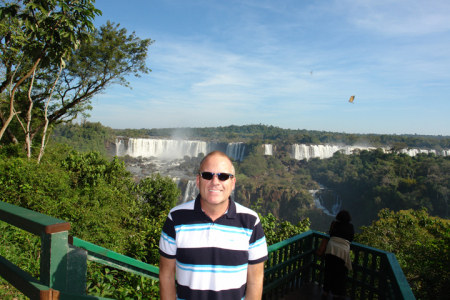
x=268, y=149
x=306, y=152
x=168, y=148
x=235, y=150
x=414, y=152
x=328, y=208
x=191, y=191
x=175, y=149
x=302, y=151
x=120, y=147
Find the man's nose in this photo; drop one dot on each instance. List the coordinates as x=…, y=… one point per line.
x=215, y=179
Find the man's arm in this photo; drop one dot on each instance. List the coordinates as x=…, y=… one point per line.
x=255, y=276
x=167, y=289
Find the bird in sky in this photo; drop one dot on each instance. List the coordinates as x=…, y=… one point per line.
x=351, y=99
x=311, y=72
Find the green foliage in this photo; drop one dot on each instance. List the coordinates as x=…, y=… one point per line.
x=38, y=36
x=253, y=165
x=373, y=180
x=276, y=135
x=421, y=244
x=159, y=194
x=101, y=202
x=22, y=249
x=85, y=137
x=88, y=169
x=277, y=231
x=106, y=58
x=120, y=285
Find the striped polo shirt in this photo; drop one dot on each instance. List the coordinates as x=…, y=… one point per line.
x=212, y=257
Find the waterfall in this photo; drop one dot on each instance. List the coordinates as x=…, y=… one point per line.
x=235, y=150
x=191, y=191
x=320, y=203
x=120, y=147
x=302, y=151
x=414, y=152
x=268, y=149
x=168, y=148
x=172, y=149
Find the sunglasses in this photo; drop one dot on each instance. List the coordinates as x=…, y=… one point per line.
x=221, y=176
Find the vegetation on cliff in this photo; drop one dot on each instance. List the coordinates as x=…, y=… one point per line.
x=421, y=244
x=85, y=137
x=280, y=136
x=373, y=180
x=100, y=200
x=104, y=206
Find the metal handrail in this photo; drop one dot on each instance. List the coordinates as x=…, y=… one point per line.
x=291, y=264
x=110, y=258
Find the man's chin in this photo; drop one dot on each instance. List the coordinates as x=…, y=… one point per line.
x=216, y=201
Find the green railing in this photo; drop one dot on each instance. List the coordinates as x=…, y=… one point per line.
x=63, y=259
x=292, y=263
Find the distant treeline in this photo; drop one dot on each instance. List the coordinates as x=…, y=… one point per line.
x=94, y=136
x=85, y=137
x=273, y=134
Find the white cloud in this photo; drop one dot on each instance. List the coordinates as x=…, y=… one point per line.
x=400, y=17
x=250, y=62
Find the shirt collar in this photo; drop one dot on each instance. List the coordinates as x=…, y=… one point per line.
x=230, y=214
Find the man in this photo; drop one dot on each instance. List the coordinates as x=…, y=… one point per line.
x=215, y=246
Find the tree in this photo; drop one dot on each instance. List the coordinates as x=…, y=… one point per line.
x=158, y=193
x=421, y=244
x=94, y=65
x=399, y=146
x=38, y=34
x=275, y=230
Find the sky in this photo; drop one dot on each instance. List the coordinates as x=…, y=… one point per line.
x=290, y=64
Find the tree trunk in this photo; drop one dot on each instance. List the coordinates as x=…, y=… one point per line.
x=11, y=100
x=27, y=131
x=41, y=152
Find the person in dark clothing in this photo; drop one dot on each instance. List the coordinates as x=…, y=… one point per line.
x=337, y=258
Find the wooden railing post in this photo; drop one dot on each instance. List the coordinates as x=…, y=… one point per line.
x=54, y=249
x=76, y=269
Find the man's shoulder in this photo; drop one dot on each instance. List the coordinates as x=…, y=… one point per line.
x=240, y=209
x=184, y=206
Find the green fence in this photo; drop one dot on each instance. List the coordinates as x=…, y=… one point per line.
x=292, y=263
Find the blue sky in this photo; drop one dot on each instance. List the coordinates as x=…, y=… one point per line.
x=218, y=63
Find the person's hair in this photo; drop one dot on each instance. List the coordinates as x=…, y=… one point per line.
x=221, y=154
x=344, y=216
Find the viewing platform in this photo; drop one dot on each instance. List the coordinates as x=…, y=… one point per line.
x=293, y=270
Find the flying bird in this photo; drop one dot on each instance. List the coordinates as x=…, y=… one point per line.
x=311, y=72
x=351, y=99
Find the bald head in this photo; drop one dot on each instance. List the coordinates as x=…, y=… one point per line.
x=218, y=154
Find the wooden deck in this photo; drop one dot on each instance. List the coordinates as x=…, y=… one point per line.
x=309, y=292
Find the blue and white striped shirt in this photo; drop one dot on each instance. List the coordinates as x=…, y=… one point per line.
x=212, y=257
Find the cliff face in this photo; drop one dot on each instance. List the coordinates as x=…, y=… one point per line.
x=285, y=203
x=110, y=148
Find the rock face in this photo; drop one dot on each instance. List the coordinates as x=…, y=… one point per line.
x=284, y=203
x=189, y=190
